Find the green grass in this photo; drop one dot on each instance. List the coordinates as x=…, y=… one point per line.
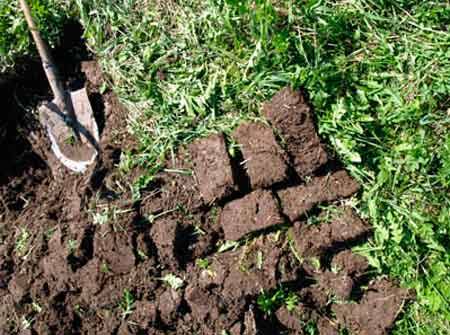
x=377, y=72
x=15, y=40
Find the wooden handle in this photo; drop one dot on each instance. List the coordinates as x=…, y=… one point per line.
x=46, y=57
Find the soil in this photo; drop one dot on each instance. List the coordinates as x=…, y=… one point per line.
x=293, y=119
x=377, y=310
x=256, y=211
x=80, y=255
x=212, y=168
x=314, y=240
x=298, y=200
x=259, y=146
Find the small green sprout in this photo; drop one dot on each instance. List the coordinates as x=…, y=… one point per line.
x=72, y=245
x=22, y=242
x=202, y=263
x=173, y=281
x=291, y=301
x=104, y=268
x=127, y=303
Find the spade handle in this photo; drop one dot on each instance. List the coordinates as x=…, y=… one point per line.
x=46, y=57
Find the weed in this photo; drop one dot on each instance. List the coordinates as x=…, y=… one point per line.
x=27, y=322
x=202, y=263
x=104, y=267
x=214, y=214
x=72, y=246
x=173, y=281
x=127, y=303
x=291, y=301
x=310, y=328
x=269, y=303
x=22, y=242
x=102, y=217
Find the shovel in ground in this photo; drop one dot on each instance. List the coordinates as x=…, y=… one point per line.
x=68, y=119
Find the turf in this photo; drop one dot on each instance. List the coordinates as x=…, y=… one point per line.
x=377, y=74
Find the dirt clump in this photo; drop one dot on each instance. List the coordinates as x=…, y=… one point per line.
x=254, y=212
x=145, y=314
x=212, y=168
x=174, y=187
x=328, y=286
x=296, y=318
x=376, y=312
x=163, y=233
x=344, y=228
x=115, y=251
x=264, y=159
x=350, y=263
x=168, y=305
x=292, y=117
x=298, y=200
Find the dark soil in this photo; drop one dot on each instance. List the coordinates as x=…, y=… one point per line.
x=314, y=240
x=292, y=117
x=80, y=256
x=256, y=211
x=212, y=168
x=259, y=147
x=377, y=310
x=298, y=200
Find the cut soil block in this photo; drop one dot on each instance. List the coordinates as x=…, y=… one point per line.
x=292, y=117
x=264, y=159
x=256, y=211
x=297, y=200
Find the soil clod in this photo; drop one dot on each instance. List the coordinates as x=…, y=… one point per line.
x=298, y=200
x=212, y=168
x=314, y=240
x=254, y=212
x=377, y=311
x=264, y=159
x=293, y=119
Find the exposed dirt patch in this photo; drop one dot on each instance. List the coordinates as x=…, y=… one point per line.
x=80, y=256
x=376, y=312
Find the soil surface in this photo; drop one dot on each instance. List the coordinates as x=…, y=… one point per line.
x=80, y=255
x=293, y=118
x=259, y=147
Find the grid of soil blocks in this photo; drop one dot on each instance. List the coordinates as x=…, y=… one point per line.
x=210, y=237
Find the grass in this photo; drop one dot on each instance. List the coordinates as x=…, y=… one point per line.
x=377, y=74
x=15, y=40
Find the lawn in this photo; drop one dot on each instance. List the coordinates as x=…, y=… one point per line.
x=377, y=73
